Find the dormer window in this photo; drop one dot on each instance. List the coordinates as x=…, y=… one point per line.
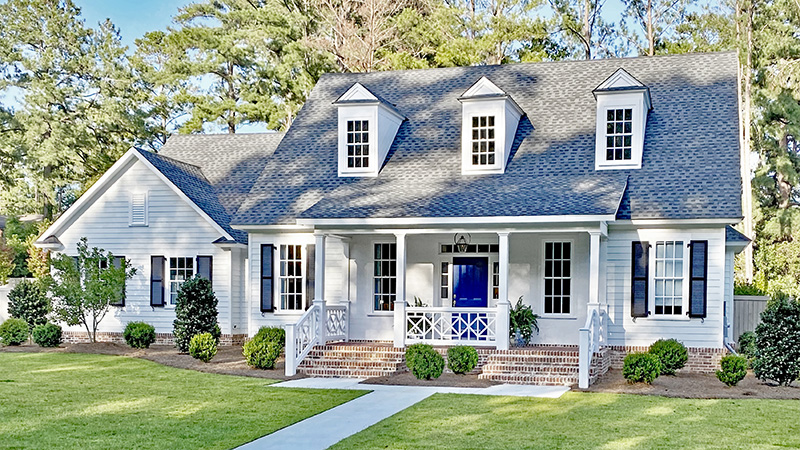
x=490, y=119
x=357, y=143
x=619, y=134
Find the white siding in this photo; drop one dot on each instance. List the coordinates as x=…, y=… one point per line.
x=175, y=229
x=729, y=271
x=624, y=331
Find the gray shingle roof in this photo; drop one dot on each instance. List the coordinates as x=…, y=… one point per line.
x=690, y=167
x=734, y=236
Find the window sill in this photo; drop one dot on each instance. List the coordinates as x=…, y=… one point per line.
x=676, y=318
x=381, y=314
x=278, y=312
x=559, y=316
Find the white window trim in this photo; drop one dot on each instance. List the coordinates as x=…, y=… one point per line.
x=651, y=281
x=277, y=299
x=372, y=310
x=146, y=223
x=499, y=142
x=168, y=291
x=572, y=306
x=448, y=258
x=634, y=101
x=367, y=113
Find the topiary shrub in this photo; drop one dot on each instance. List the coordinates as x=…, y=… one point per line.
x=641, y=368
x=263, y=350
x=47, y=335
x=195, y=312
x=14, y=332
x=424, y=362
x=734, y=369
x=778, y=342
x=203, y=346
x=27, y=302
x=672, y=354
x=747, y=344
x=462, y=359
x=139, y=334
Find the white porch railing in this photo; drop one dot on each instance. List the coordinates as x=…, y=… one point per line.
x=589, y=342
x=449, y=326
x=319, y=325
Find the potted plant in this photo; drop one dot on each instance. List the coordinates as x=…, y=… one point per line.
x=523, y=321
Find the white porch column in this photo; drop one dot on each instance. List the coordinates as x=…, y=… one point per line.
x=503, y=304
x=319, y=286
x=594, y=269
x=400, y=297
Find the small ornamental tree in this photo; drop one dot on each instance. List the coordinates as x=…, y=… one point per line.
x=85, y=287
x=195, y=312
x=27, y=302
x=778, y=342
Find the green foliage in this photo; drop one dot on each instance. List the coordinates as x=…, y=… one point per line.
x=203, y=346
x=84, y=289
x=462, y=359
x=139, y=334
x=19, y=236
x=747, y=344
x=272, y=334
x=424, y=362
x=6, y=262
x=747, y=289
x=523, y=319
x=47, y=335
x=27, y=301
x=14, y=332
x=195, y=312
x=778, y=342
x=263, y=350
x=734, y=369
x=641, y=368
x=672, y=354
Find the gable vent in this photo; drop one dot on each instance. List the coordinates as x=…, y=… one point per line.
x=138, y=211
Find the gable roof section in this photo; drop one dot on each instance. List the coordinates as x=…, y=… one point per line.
x=690, y=164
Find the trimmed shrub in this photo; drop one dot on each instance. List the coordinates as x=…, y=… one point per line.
x=261, y=354
x=641, y=368
x=424, y=362
x=462, y=359
x=14, y=332
x=778, y=342
x=47, y=335
x=139, y=334
x=272, y=334
x=203, y=346
x=195, y=312
x=747, y=344
x=734, y=369
x=672, y=354
x=28, y=302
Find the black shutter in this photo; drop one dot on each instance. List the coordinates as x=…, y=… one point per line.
x=118, y=261
x=698, y=279
x=311, y=273
x=205, y=267
x=157, y=264
x=639, y=279
x=267, y=253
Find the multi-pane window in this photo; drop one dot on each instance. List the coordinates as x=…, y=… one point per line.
x=291, y=277
x=668, y=278
x=357, y=143
x=557, y=277
x=385, y=276
x=619, y=134
x=495, y=280
x=445, y=280
x=483, y=151
x=180, y=270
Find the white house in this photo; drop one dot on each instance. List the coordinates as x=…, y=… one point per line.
x=601, y=193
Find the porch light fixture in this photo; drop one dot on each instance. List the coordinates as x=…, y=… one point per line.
x=462, y=241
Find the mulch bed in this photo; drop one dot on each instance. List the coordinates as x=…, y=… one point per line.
x=228, y=360
x=447, y=379
x=693, y=385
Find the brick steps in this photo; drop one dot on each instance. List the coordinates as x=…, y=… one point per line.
x=543, y=366
x=353, y=361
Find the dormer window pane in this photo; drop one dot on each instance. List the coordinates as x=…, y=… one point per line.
x=483, y=142
x=357, y=143
x=619, y=132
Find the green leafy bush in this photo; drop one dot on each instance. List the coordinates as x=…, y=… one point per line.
x=747, y=289
x=47, y=335
x=672, y=354
x=14, y=332
x=778, y=342
x=263, y=350
x=195, y=312
x=27, y=302
x=641, y=367
x=734, y=369
x=462, y=359
x=424, y=362
x=747, y=344
x=203, y=346
x=139, y=334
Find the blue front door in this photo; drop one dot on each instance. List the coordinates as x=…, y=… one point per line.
x=470, y=290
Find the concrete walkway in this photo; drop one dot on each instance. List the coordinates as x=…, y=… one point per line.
x=331, y=426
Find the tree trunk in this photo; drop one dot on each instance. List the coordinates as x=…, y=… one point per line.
x=744, y=28
x=651, y=40
x=587, y=30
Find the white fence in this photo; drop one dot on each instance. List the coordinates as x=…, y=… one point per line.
x=448, y=326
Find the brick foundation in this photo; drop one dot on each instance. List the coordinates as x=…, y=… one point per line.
x=701, y=360
x=81, y=337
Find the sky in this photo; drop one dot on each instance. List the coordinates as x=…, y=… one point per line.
x=134, y=18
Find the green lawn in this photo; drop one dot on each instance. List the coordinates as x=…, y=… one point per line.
x=584, y=420
x=58, y=400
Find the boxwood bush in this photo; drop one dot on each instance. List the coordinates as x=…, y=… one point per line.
x=778, y=342
x=14, y=332
x=139, y=334
x=641, y=368
x=672, y=354
x=47, y=335
x=203, y=346
x=734, y=369
x=424, y=362
x=263, y=350
x=462, y=359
